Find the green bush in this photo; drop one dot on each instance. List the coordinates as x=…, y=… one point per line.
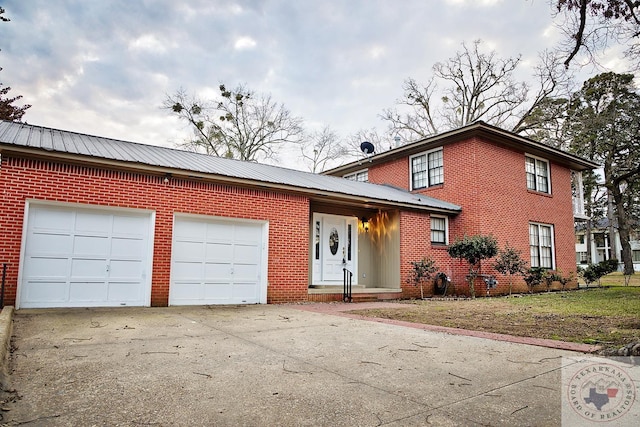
x=535, y=276
x=594, y=272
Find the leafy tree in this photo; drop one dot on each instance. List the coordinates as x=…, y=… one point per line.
x=592, y=25
x=421, y=272
x=603, y=125
x=474, y=250
x=8, y=111
x=321, y=148
x=470, y=86
x=239, y=124
x=509, y=262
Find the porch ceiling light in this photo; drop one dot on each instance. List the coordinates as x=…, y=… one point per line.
x=365, y=223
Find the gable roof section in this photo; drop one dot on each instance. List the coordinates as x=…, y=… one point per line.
x=477, y=129
x=41, y=142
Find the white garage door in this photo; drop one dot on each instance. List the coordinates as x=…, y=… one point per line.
x=217, y=261
x=79, y=257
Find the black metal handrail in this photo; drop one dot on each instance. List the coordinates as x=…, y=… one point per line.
x=346, y=289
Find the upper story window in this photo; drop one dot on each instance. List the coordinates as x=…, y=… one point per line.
x=362, y=175
x=439, y=229
x=427, y=169
x=537, y=174
x=541, y=245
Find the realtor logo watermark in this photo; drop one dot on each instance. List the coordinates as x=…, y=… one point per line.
x=600, y=391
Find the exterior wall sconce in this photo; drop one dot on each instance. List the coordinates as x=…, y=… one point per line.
x=365, y=223
x=166, y=178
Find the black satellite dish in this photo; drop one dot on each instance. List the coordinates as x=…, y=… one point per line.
x=367, y=147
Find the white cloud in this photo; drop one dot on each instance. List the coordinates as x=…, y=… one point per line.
x=149, y=43
x=244, y=43
x=485, y=3
x=377, y=51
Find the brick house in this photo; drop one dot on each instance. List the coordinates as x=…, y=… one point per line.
x=508, y=186
x=90, y=221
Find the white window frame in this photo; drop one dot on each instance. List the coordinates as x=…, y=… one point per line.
x=582, y=257
x=357, y=174
x=536, y=261
x=425, y=154
x=536, y=174
x=446, y=230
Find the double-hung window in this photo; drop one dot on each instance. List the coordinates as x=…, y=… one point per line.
x=439, y=230
x=541, y=245
x=362, y=175
x=427, y=169
x=537, y=174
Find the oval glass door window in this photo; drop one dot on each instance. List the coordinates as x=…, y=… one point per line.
x=333, y=241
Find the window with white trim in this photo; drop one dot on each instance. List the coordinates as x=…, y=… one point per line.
x=537, y=174
x=362, y=176
x=439, y=228
x=427, y=169
x=541, y=245
x=581, y=257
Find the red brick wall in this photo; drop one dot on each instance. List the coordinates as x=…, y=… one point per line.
x=415, y=244
x=288, y=216
x=488, y=181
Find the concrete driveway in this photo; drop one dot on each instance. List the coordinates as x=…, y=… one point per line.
x=268, y=365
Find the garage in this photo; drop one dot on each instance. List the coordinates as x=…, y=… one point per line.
x=85, y=257
x=218, y=261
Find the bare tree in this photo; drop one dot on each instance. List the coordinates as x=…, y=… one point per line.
x=591, y=26
x=552, y=83
x=371, y=135
x=321, y=149
x=416, y=117
x=481, y=87
x=239, y=124
x=472, y=86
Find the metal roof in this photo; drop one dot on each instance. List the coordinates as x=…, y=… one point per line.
x=48, y=142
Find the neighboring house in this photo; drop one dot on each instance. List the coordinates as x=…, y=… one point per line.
x=601, y=248
x=90, y=221
x=508, y=186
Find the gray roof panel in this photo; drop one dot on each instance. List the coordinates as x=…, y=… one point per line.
x=53, y=140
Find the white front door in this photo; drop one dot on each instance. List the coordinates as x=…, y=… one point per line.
x=335, y=247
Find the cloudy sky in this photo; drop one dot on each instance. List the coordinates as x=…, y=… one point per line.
x=104, y=67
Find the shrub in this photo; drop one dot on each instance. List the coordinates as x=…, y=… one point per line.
x=474, y=249
x=594, y=272
x=534, y=276
x=421, y=272
x=510, y=262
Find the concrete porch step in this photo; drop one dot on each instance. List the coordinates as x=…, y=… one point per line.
x=360, y=294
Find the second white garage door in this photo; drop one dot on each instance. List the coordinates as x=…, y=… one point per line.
x=218, y=261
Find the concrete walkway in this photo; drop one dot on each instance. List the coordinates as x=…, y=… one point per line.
x=269, y=365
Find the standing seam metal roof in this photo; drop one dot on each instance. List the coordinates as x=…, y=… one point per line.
x=54, y=140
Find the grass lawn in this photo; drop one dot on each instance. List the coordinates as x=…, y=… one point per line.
x=617, y=279
x=608, y=316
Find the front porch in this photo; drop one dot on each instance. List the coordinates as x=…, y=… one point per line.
x=364, y=242
x=359, y=293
